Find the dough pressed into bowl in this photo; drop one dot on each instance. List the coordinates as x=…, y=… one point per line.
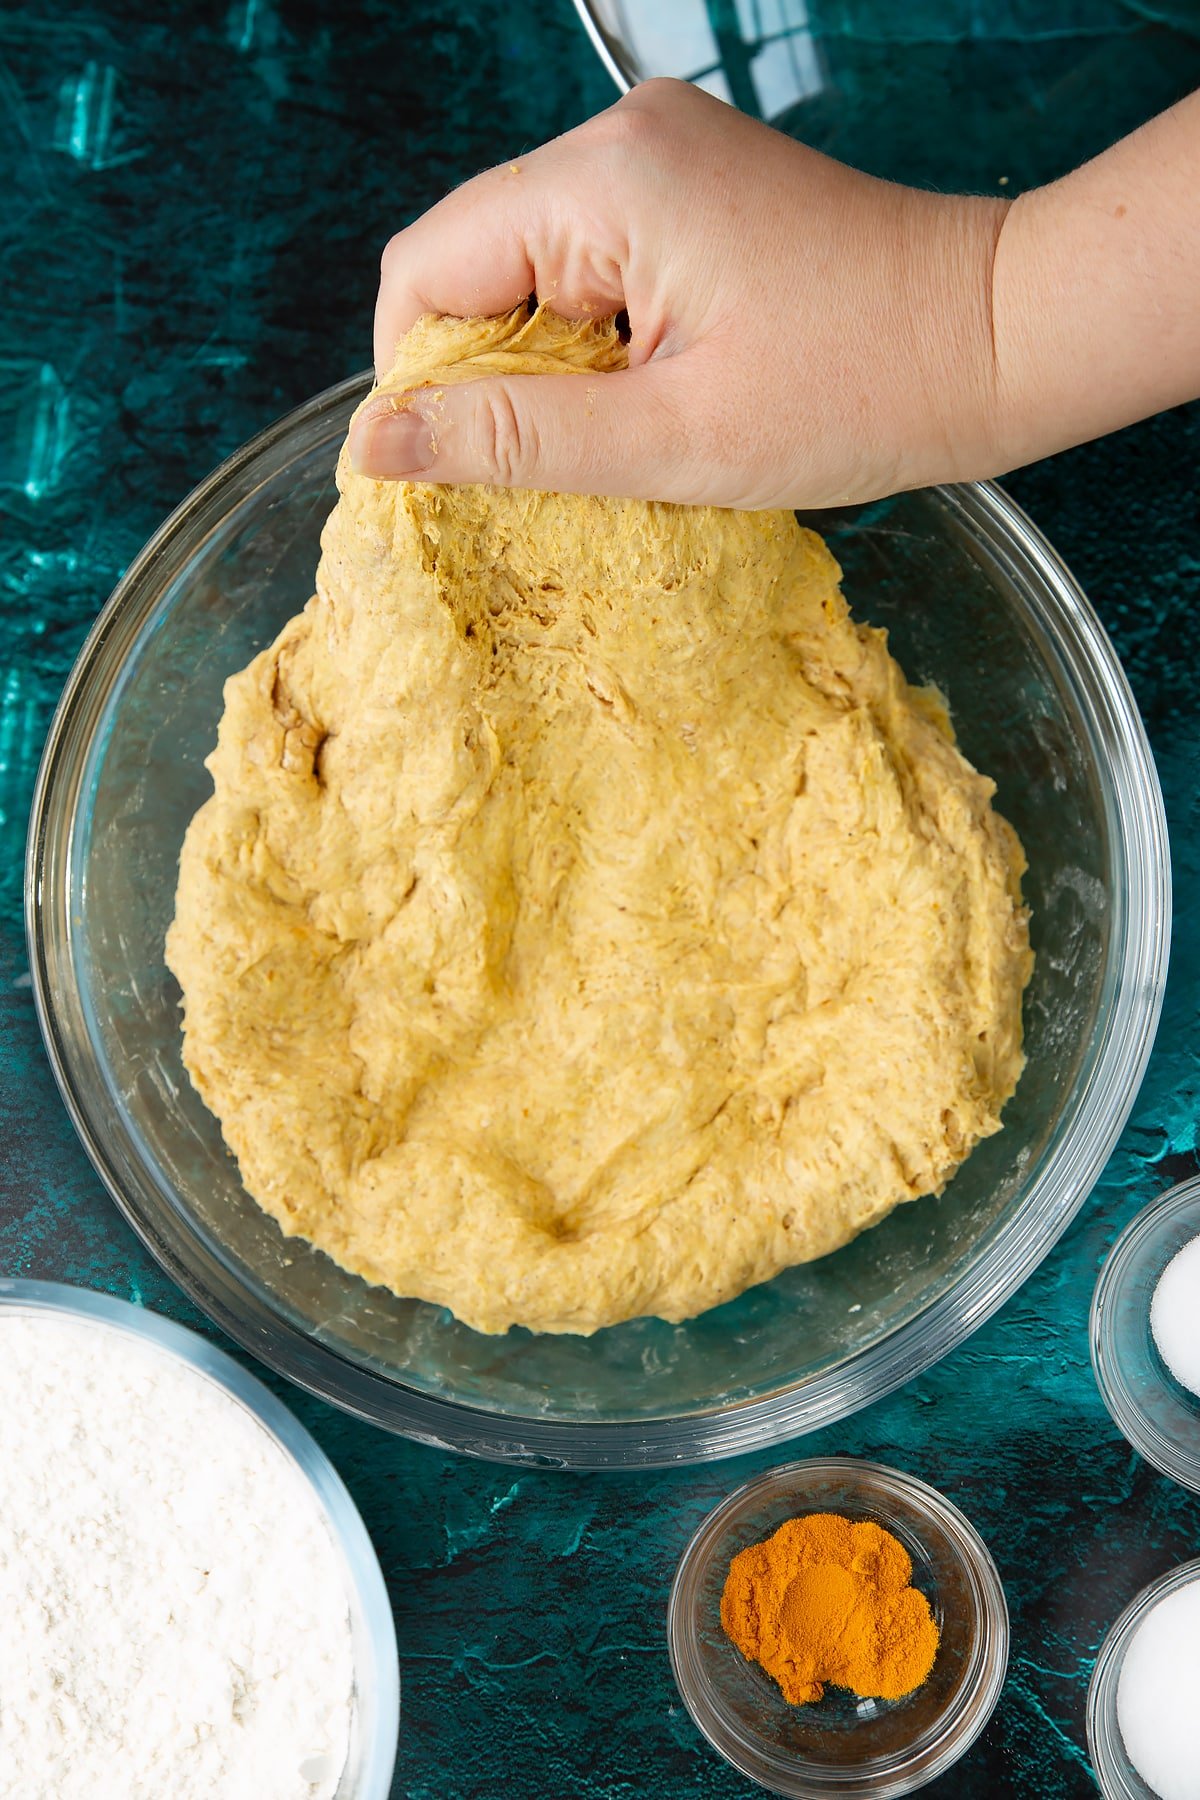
x=589, y=920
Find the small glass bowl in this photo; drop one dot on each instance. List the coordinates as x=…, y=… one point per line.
x=375, y=1720
x=1158, y=1416
x=840, y=1744
x=1118, y=1778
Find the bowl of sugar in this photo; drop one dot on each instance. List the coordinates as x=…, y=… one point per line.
x=1141, y=1705
x=1145, y=1333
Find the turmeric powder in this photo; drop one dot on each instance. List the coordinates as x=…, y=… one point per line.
x=826, y=1600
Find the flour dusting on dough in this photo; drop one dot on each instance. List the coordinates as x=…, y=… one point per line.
x=588, y=921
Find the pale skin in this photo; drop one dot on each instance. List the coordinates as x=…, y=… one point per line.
x=801, y=334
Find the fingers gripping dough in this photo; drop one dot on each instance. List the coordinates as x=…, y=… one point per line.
x=588, y=920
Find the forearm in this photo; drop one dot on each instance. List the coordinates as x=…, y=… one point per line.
x=1096, y=293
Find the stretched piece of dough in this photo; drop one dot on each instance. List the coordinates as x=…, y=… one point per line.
x=588, y=921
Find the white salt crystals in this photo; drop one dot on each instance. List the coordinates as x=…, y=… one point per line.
x=175, y=1621
x=1175, y=1317
x=1157, y=1695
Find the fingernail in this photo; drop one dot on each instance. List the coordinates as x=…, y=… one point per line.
x=391, y=445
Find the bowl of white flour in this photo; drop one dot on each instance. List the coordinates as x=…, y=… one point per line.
x=191, y=1602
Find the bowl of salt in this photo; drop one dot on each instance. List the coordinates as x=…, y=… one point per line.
x=1145, y=1334
x=1141, y=1704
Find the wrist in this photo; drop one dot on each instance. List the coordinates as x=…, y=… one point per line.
x=1021, y=307
x=1094, y=305
x=959, y=400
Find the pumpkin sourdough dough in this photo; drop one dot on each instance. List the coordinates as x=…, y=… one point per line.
x=588, y=920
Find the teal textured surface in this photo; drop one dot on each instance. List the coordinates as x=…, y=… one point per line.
x=194, y=205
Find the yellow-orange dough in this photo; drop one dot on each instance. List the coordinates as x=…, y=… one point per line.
x=588, y=920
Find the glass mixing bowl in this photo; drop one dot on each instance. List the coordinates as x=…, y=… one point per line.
x=976, y=602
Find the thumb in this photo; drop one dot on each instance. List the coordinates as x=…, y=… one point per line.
x=621, y=433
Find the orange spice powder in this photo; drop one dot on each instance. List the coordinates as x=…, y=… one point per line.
x=825, y=1600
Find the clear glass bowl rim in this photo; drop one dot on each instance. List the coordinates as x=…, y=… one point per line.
x=377, y=1686
x=974, y=1705
x=1104, y=1092
x=1126, y=1414
x=1109, y=1758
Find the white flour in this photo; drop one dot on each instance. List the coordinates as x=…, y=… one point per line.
x=173, y=1617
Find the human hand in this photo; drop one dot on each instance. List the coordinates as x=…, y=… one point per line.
x=800, y=334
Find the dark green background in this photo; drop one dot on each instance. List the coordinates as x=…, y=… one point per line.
x=192, y=202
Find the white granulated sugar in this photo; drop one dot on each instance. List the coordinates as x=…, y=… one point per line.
x=1156, y=1696
x=174, y=1622
x=1175, y=1316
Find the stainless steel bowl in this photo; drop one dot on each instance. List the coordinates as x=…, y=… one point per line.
x=976, y=601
